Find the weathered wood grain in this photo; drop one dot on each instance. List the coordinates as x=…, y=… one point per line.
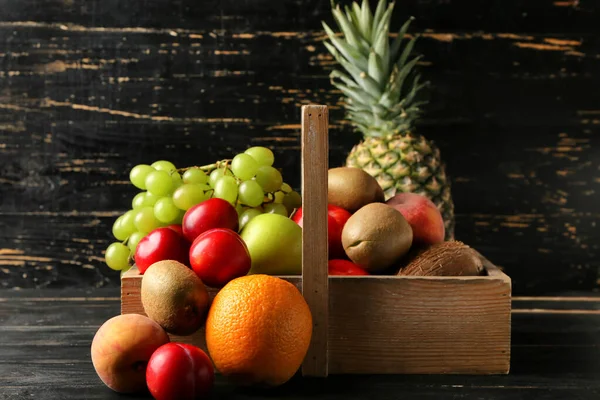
x=554, y=356
x=154, y=15
x=315, y=285
x=54, y=249
x=412, y=325
x=400, y=325
x=90, y=88
x=76, y=381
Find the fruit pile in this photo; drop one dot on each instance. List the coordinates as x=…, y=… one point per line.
x=257, y=330
x=233, y=225
x=183, y=203
x=238, y=217
x=404, y=235
x=227, y=226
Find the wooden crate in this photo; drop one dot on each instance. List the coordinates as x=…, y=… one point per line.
x=381, y=324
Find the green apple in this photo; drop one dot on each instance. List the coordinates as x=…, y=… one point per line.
x=275, y=245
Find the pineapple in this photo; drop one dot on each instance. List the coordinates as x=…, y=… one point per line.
x=380, y=86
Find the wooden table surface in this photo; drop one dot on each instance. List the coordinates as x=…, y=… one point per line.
x=45, y=338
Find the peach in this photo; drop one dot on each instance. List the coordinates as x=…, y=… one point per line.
x=423, y=216
x=121, y=349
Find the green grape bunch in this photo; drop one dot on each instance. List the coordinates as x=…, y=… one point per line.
x=248, y=181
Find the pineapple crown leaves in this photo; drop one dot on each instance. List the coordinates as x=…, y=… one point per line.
x=378, y=79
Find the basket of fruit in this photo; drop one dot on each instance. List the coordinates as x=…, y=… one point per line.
x=256, y=282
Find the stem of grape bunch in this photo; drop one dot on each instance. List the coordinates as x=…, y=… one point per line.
x=208, y=168
x=248, y=181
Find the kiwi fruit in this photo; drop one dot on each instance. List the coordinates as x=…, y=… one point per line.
x=351, y=188
x=174, y=297
x=452, y=258
x=376, y=237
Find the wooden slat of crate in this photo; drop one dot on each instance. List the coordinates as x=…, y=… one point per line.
x=403, y=325
x=420, y=325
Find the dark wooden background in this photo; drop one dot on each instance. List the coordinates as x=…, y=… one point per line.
x=89, y=88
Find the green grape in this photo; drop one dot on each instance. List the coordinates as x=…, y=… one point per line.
x=118, y=231
x=123, y=226
x=134, y=239
x=138, y=175
x=292, y=200
x=150, y=199
x=179, y=219
x=144, y=199
x=138, y=200
x=145, y=221
x=215, y=176
x=286, y=188
x=128, y=221
x=117, y=256
x=188, y=195
x=247, y=215
x=194, y=175
x=275, y=208
x=251, y=194
x=176, y=178
x=262, y=155
x=159, y=183
x=175, y=186
x=278, y=196
x=163, y=165
x=240, y=208
x=244, y=166
x=218, y=174
x=226, y=188
x=269, y=179
x=165, y=210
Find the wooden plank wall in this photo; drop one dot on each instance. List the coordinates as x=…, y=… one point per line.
x=89, y=88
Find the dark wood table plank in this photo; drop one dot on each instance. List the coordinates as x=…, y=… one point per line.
x=45, y=338
x=493, y=15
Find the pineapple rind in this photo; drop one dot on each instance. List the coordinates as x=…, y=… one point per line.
x=418, y=169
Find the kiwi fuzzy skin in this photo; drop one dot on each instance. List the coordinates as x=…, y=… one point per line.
x=376, y=237
x=175, y=297
x=352, y=188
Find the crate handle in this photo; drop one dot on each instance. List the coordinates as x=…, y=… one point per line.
x=315, y=164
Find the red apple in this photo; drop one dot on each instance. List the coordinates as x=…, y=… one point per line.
x=345, y=267
x=161, y=244
x=336, y=219
x=210, y=214
x=218, y=256
x=179, y=371
x=423, y=216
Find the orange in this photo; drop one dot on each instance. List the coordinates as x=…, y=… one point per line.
x=258, y=330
